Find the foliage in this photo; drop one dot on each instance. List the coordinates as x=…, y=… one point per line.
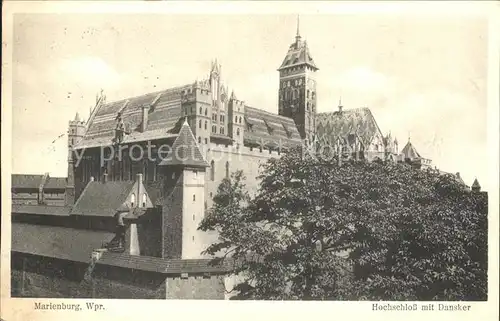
x=323, y=231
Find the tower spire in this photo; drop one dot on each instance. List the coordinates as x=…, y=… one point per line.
x=297, y=36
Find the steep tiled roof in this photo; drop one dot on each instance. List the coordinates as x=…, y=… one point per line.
x=156, y=264
x=360, y=121
x=57, y=242
x=164, y=112
x=185, y=150
x=102, y=199
x=26, y=181
x=41, y=209
x=298, y=54
x=410, y=152
x=269, y=129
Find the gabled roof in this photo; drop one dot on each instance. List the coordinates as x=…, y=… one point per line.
x=57, y=242
x=102, y=199
x=164, y=112
x=298, y=54
x=359, y=121
x=26, y=181
x=410, y=152
x=185, y=150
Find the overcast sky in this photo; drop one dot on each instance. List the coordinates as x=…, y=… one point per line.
x=420, y=76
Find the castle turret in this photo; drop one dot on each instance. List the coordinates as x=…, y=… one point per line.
x=297, y=93
x=76, y=131
x=475, y=186
x=236, y=115
x=184, y=206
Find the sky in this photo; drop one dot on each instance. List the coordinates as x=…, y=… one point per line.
x=423, y=77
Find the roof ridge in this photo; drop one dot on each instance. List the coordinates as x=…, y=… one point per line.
x=146, y=94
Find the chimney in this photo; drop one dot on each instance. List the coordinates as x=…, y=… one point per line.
x=145, y=112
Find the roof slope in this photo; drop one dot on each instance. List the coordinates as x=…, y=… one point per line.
x=57, y=242
x=26, y=181
x=41, y=209
x=410, y=152
x=102, y=199
x=164, y=112
x=185, y=150
x=156, y=264
x=298, y=54
x=268, y=129
x=360, y=121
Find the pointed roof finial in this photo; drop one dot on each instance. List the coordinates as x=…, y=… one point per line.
x=298, y=26
x=77, y=117
x=185, y=121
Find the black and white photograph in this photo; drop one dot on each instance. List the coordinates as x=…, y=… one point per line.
x=294, y=156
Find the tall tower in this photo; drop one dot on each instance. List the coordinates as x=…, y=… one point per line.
x=297, y=93
x=76, y=131
x=184, y=206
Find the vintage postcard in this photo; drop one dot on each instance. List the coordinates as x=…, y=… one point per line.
x=266, y=159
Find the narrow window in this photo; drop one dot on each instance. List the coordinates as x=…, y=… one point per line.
x=235, y=119
x=201, y=110
x=206, y=111
x=199, y=139
x=206, y=124
x=144, y=199
x=206, y=140
x=194, y=197
x=237, y=132
x=199, y=124
x=212, y=170
x=227, y=169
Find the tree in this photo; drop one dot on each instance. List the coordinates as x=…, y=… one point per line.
x=323, y=231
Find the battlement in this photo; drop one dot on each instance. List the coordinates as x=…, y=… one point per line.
x=196, y=94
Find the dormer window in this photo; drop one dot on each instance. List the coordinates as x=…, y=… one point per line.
x=132, y=200
x=144, y=199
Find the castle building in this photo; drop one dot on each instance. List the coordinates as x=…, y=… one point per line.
x=142, y=172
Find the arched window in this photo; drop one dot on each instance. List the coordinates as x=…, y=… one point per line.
x=206, y=111
x=194, y=197
x=199, y=124
x=240, y=119
x=227, y=169
x=199, y=139
x=144, y=199
x=201, y=110
x=235, y=119
x=206, y=140
x=308, y=93
x=237, y=132
x=132, y=200
x=206, y=124
x=212, y=170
